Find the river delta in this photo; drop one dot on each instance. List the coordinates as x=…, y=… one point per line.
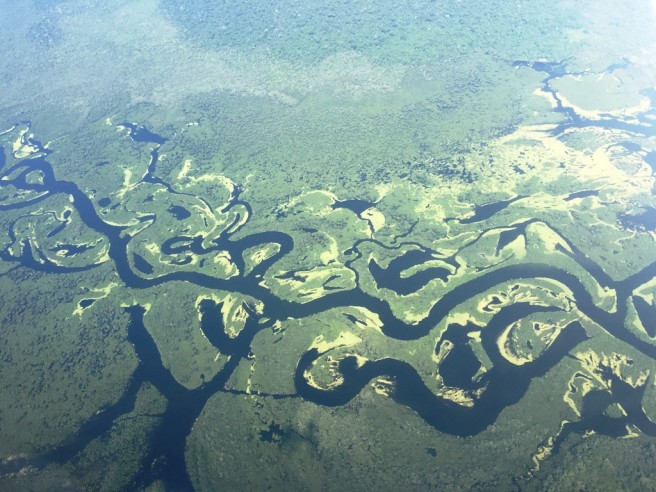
x=356, y=245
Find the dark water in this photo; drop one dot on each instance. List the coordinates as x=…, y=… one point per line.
x=572, y=119
x=647, y=314
x=390, y=277
x=180, y=213
x=582, y=194
x=461, y=364
x=141, y=134
x=505, y=383
x=484, y=212
x=85, y=303
x=355, y=206
x=141, y=264
x=645, y=221
x=507, y=237
x=650, y=159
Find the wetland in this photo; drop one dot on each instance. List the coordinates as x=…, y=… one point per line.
x=250, y=245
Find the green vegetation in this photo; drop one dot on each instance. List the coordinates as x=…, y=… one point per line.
x=360, y=184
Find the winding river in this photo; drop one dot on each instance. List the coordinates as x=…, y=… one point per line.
x=505, y=384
